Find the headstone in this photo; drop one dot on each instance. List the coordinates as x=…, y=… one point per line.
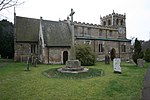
x=140, y=62
x=35, y=62
x=28, y=62
x=116, y=65
x=107, y=59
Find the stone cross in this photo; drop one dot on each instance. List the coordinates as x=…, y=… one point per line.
x=71, y=14
x=72, y=52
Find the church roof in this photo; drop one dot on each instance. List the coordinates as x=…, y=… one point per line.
x=27, y=29
x=55, y=33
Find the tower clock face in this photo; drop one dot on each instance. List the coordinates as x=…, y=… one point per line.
x=121, y=30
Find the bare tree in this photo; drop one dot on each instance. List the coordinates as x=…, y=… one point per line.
x=4, y=4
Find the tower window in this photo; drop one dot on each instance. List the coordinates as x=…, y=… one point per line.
x=121, y=22
x=104, y=23
x=109, y=22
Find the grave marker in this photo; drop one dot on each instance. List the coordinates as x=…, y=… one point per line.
x=116, y=65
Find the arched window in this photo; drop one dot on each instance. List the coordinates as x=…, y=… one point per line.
x=121, y=22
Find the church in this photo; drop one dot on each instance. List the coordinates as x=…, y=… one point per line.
x=50, y=41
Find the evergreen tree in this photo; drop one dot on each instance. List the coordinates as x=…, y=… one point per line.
x=137, y=51
x=6, y=39
x=147, y=55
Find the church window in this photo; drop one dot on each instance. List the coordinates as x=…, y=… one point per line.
x=101, y=49
x=123, y=48
x=104, y=23
x=121, y=22
x=33, y=48
x=117, y=21
x=109, y=22
x=100, y=32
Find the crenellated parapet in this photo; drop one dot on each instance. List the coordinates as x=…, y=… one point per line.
x=91, y=25
x=114, y=19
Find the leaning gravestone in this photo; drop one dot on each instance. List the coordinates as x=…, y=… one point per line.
x=116, y=65
x=140, y=62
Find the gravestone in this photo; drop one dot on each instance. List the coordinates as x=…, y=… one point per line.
x=35, y=62
x=107, y=59
x=140, y=62
x=116, y=65
x=28, y=63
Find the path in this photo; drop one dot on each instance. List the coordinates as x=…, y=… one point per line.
x=146, y=89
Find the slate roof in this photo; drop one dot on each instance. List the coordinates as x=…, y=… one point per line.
x=55, y=33
x=27, y=29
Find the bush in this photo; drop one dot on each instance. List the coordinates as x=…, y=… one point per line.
x=85, y=54
x=147, y=55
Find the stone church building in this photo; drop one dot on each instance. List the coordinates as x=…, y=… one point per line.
x=50, y=41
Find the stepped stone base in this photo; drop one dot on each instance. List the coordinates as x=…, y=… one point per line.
x=73, y=66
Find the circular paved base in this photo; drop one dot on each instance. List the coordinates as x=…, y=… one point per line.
x=73, y=70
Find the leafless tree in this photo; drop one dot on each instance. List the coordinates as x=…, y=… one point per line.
x=4, y=4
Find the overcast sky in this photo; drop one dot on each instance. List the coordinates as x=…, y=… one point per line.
x=89, y=11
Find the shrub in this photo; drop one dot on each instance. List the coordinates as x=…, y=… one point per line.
x=85, y=54
x=147, y=55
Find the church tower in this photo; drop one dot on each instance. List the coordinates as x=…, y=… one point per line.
x=115, y=20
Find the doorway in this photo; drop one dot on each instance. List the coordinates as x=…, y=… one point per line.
x=65, y=57
x=113, y=54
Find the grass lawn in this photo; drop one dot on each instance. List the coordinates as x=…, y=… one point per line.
x=17, y=84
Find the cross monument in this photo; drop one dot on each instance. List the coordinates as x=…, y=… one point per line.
x=72, y=51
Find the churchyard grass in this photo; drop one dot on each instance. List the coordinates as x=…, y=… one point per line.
x=18, y=84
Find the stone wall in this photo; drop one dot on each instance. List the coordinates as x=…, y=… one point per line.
x=55, y=55
x=23, y=51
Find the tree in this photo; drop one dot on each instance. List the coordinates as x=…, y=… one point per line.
x=147, y=55
x=85, y=54
x=4, y=4
x=6, y=39
x=137, y=51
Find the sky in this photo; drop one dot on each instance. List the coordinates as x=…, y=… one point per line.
x=88, y=11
